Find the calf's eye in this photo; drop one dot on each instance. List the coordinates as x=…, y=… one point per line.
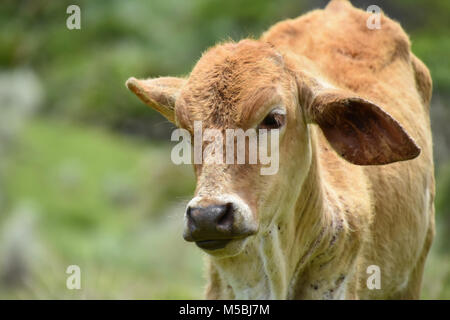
x=274, y=120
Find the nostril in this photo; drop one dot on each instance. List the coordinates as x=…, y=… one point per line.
x=188, y=213
x=227, y=217
x=190, y=218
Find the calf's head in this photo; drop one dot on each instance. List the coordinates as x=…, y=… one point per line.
x=249, y=85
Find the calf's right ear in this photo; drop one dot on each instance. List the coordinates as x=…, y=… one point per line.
x=359, y=130
x=158, y=93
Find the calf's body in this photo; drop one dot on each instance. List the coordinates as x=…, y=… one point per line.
x=325, y=218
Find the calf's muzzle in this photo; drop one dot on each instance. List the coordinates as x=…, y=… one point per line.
x=211, y=227
x=214, y=226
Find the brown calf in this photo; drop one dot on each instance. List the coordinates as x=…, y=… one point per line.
x=355, y=105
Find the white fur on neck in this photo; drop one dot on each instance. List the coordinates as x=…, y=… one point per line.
x=260, y=271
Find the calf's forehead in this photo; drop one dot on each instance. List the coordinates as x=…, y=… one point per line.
x=230, y=82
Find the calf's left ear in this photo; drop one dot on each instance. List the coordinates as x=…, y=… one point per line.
x=159, y=93
x=359, y=130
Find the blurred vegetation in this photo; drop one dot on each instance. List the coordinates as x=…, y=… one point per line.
x=85, y=171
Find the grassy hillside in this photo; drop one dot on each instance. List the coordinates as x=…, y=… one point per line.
x=83, y=196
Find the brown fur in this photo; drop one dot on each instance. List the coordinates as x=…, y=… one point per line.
x=322, y=219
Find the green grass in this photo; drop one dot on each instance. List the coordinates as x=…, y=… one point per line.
x=92, y=201
x=436, y=280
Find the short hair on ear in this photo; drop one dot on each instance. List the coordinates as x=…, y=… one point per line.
x=158, y=93
x=360, y=131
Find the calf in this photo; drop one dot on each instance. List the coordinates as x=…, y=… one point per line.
x=355, y=185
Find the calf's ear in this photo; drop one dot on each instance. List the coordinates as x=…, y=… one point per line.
x=359, y=130
x=159, y=93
